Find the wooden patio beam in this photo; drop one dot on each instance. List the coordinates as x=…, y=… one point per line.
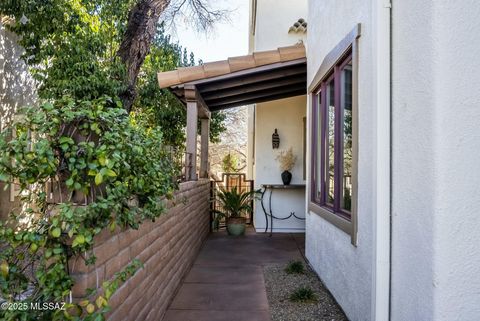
x=292, y=81
x=259, y=100
x=258, y=95
x=245, y=78
x=192, y=94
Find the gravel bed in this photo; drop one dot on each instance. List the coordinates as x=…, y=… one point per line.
x=280, y=286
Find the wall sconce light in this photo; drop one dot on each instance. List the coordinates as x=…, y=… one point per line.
x=275, y=140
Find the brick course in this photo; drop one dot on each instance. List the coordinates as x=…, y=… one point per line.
x=166, y=247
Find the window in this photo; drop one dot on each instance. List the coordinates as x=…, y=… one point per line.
x=333, y=144
x=333, y=161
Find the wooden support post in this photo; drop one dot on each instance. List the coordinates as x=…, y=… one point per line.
x=205, y=137
x=192, y=120
x=196, y=108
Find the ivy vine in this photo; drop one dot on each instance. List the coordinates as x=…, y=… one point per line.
x=79, y=162
x=110, y=173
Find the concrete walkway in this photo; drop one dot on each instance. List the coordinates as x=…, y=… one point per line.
x=226, y=281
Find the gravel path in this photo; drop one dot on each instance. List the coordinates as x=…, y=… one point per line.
x=279, y=287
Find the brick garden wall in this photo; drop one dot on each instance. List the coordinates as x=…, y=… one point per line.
x=167, y=247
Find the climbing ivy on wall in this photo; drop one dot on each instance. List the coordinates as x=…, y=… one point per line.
x=111, y=174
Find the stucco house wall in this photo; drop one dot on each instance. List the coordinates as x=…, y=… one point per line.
x=436, y=143
x=286, y=115
x=17, y=89
x=272, y=23
x=346, y=269
x=273, y=20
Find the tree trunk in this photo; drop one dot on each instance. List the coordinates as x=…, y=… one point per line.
x=136, y=42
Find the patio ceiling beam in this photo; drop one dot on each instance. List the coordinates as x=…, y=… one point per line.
x=259, y=100
x=292, y=81
x=258, y=95
x=245, y=78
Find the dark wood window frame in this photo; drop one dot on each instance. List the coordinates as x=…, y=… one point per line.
x=331, y=68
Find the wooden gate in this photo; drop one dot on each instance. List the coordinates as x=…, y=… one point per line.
x=228, y=181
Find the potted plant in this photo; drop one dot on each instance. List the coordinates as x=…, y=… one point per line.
x=287, y=161
x=234, y=206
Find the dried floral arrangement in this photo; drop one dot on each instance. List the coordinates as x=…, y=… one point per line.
x=286, y=159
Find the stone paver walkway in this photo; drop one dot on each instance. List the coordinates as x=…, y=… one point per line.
x=226, y=281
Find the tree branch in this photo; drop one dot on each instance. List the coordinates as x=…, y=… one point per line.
x=136, y=42
x=141, y=29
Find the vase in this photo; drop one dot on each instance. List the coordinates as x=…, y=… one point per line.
x=286, y=177
x=236, y=226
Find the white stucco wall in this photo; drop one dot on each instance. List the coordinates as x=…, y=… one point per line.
x=273, y=20
x=16, y=84
x=287, y=116
x=17, y=89
x=436, y=144
x=345, y=269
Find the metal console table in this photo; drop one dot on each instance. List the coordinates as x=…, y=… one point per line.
x=269, y=213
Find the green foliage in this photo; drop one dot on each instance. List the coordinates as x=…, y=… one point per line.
x=235, y=203
x=295, y=267
x=230, y=164
x=156, y=107
x=71, y=45
x=304, y=295
x=71, y=48
x=97, y=153
x=108, y=170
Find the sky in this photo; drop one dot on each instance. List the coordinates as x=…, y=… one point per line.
x=230, y=38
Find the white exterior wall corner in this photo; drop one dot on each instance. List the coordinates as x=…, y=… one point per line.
x=436, y=144
x=347, y=270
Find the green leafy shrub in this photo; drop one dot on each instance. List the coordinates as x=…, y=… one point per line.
x=304, y=295
x=112, y=174
x=235, y=203
x=230, y=163
x=295, y=267
x=104, y=168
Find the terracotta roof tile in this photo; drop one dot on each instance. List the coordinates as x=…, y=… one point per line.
x=233, y=64
x=300, y=26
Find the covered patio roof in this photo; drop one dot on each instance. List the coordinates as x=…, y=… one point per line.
x=237, y=81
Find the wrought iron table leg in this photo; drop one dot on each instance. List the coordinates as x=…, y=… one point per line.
x=264, y=210
x=271, y=213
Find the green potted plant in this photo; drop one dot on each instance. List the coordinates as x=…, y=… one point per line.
x=234, y=206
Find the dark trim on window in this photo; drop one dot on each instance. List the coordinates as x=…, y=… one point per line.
x=333, y=57
x=344, y=53
x=304, y=148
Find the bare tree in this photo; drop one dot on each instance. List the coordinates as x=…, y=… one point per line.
x=141, y=28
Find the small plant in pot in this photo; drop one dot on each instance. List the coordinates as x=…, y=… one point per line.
x=234, y=206
x=287, y=161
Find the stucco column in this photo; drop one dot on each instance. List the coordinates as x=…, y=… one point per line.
x=191, y=157
x=205, y=136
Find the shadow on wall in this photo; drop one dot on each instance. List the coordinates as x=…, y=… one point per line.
x=17, y=89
